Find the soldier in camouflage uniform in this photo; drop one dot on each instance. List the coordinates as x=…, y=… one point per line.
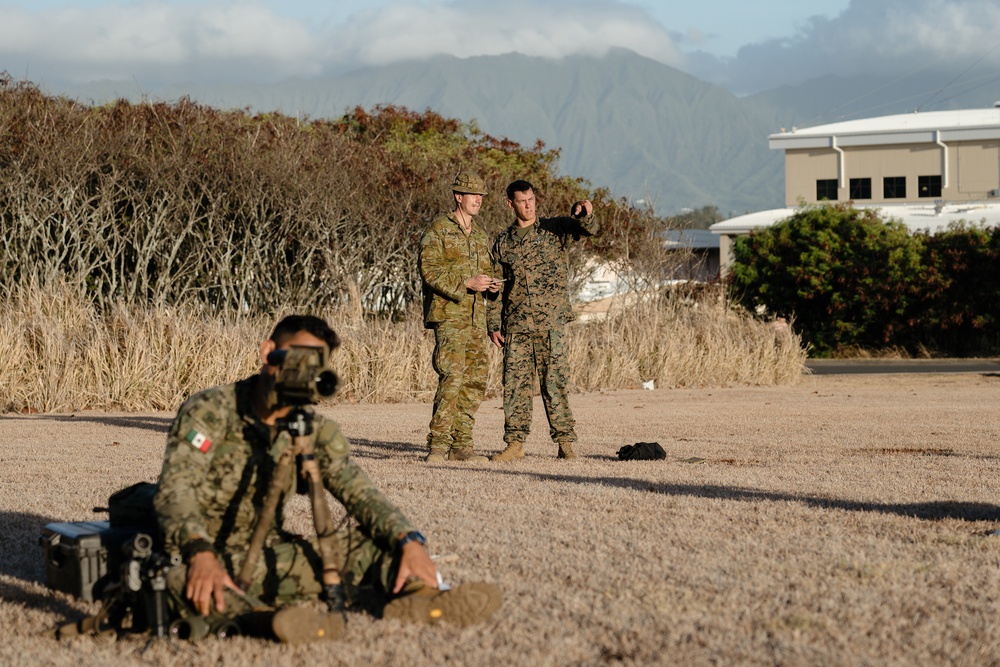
x=455, y=265
x=529, y=320
x=222, y=449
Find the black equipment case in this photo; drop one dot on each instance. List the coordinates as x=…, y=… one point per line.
x=79, y=555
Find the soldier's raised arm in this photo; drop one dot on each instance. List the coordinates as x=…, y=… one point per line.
x=581, y=222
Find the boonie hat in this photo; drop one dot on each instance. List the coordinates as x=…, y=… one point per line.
x=469, y=183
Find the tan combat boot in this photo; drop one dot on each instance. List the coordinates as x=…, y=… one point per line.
x=465, y=454
x=566, y=451
x=462, y=605
x=513, y=451
x=436, y=455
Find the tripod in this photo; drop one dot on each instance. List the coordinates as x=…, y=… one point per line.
x=299, y=424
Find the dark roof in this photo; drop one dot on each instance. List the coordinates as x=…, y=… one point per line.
x=696, y=239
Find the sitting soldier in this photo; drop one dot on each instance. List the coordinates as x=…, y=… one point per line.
x=222, y=450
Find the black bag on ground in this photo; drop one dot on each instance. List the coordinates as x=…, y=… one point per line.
x=642, y=451
x=132, y=507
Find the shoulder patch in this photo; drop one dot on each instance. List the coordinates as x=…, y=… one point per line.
x=198, y=440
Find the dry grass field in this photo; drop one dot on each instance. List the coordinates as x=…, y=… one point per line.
x=844, y=520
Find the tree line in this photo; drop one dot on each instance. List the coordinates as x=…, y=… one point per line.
x=167, y=203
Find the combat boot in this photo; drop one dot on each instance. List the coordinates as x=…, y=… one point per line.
x=436, y=455
x=513, y=451
x=293, y=625
x=462, y=605
x=465, y=454
x=566, y=451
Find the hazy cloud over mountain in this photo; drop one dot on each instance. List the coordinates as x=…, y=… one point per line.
x=410, y=30
x=881, y=37
x=158, y=43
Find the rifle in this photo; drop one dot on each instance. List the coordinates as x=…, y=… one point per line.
x=137, y=601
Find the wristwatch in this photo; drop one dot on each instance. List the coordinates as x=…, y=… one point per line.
x=413, y=536
x=196, y=546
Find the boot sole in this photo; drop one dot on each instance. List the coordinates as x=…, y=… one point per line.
x=299, y=625
x=462, y=606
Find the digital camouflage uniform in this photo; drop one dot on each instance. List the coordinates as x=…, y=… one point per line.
x=532, y=313
x=216, y=472
x=458, y=316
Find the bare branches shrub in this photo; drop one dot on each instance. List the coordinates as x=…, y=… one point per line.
x=164, y=204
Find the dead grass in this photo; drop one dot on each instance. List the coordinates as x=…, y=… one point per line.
x=844, y=520
x=62, y=354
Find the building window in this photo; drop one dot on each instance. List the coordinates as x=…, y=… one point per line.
x=894, y=187
x=826, y=189
x=861, y=188
x=929, y=186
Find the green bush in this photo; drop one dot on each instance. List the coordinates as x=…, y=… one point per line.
x=852, y=280
x=847, y=277
x=961, y=290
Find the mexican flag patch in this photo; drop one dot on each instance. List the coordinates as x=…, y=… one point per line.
x=199, y=440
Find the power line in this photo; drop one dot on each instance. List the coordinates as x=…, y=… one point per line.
x=989, y=79
x=959, y=76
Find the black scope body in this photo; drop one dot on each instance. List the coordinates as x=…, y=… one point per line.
x=303, y=375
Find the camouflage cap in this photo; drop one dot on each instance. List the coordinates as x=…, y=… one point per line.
x=469, y=183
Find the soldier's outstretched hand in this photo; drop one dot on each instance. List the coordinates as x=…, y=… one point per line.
x=207, y=579
x=497, y=338
x=582, y=209
x=415, y=562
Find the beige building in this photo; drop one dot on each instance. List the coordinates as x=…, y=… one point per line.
x=952, y=156
x=924, y=169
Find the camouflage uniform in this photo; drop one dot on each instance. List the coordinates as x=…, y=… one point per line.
x=216, y=472
x=458, y=316
x=532, y=315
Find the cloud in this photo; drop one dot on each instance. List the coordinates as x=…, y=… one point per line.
x=158, y=42
x=878, y=37
x=408, y=30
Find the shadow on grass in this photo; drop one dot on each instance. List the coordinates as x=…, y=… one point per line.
x=22, y=565
x=146, y=423
x=381, y=449
x=21, y=555
x=931, y=510
x=20, y=593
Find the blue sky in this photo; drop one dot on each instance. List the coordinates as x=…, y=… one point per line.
x=742, y=45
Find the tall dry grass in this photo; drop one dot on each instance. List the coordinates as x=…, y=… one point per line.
x=62, y=353
x=681, y=341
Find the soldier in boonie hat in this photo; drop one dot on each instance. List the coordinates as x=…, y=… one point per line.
x=469, y=183
x=454, y=263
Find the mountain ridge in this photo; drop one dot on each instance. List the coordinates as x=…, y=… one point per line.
x=645, y=130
